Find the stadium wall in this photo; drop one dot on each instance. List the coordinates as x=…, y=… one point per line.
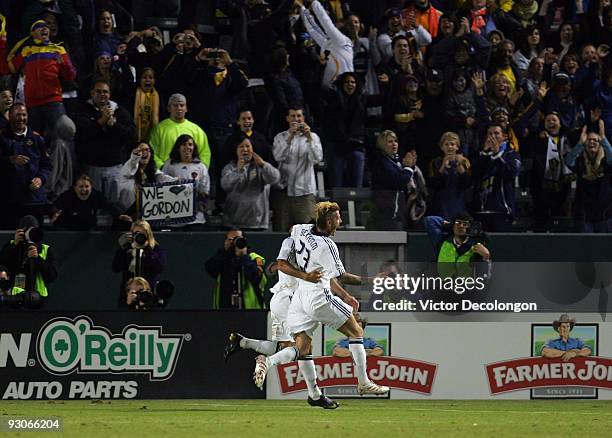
x=86, y=280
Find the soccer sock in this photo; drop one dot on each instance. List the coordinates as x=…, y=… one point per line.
x=264, y=347
x=286, y=355
x=307, y=367
x=359, y=357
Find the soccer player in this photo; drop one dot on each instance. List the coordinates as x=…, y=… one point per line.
x=313, y=304
x=283, y=290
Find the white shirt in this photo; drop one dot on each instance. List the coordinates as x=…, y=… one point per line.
x=285, y=282
x=328, y=37
x=189, y=171
x=296, y=162
x=316, y=252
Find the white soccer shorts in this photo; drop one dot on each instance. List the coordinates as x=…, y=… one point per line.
x=309, y=307
x=279, y=308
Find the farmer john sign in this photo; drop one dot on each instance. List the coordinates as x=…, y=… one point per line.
x=113, y=355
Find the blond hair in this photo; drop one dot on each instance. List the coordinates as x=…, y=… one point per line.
x=322, y=212
x=382, y=139
x=142, y=282
x=151, y=242
x=449, y=135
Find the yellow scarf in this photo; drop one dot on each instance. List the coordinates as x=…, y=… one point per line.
x=146, y=112
x=336, y=7
x=220, y=77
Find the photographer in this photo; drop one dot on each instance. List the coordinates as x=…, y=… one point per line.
x=456, y=242
x=239, y=274
x=139, y=255
x=139, y=295
x=30, y=263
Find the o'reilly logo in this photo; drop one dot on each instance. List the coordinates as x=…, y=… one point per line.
x=65, y=346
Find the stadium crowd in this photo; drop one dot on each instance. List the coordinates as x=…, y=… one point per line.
x=499, y=107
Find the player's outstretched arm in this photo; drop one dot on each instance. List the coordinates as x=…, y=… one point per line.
x=287, y=268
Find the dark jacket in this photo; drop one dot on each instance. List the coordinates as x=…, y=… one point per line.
x=494, y=181
x=14, y=257
x=152, y=265
x=17, y=179
x=215, y=106
x=78, y=215
x=103, y=145
x=225, y=267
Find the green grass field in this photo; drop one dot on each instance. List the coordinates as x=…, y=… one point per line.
x=358, y=418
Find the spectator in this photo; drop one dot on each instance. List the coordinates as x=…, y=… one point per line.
x=138, y=255
x=336, y=47
x=185, y=164
x=296, y=150
x=247, y=180
x=528, y=48
x=104, y=132
x=43, y=73
x=117, y=73
x=426, y=15
x=503, y=63
x=165, y=133
x=430, y=127
x=561, y=101
x=6, y=101
x=216, y=83
x=461, y=111
x=77, y=208
x=283, y=87
x=395, y=28
x=24, y=168
x=345, y=132
x=390, y=178
x=239, y=274
x=591, y=161
x=565, y=40
x=405, y=111
x=146, y=105
x=495, y=171
x=138, y=170
x=105, y=39
x=449, y=177
x=30, y=262
x=366, y=54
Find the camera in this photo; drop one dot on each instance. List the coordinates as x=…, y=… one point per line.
x=33, y=235
x=240, y=242
x=156, y=299
x=214, y=54
x=140, y=239
x=29, y=300
x=301, y=127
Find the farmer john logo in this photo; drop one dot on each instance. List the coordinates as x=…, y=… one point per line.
x=65, y=346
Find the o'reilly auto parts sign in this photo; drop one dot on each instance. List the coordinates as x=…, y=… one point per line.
x=110, y=355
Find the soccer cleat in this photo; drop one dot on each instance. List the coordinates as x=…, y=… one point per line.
x=233, y=346
x=323, y=402
x=261, y=369
x=372, y=388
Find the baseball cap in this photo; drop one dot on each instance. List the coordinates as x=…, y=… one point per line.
x=561, y=77
x=393, y=12
x=434, y=75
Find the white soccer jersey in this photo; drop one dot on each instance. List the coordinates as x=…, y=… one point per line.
x=285, y=281
x=316, y=252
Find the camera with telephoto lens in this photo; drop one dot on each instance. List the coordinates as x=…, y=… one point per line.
x=240, y=242
x=140, y=239
x=33, y=235
x=156, y=299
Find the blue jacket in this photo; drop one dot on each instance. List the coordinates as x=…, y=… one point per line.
x=17, y=179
